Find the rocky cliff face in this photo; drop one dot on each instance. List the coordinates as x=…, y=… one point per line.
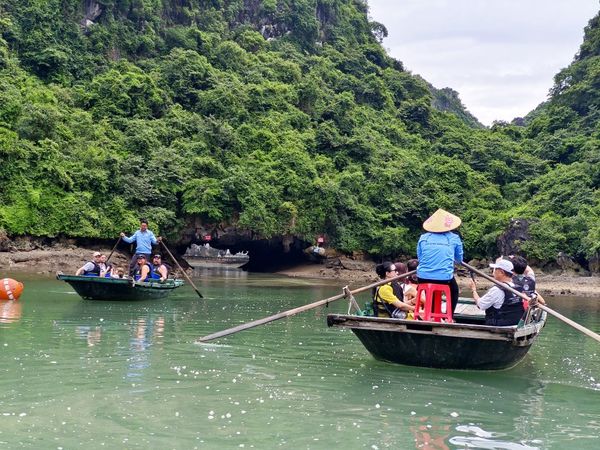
x=517, y=232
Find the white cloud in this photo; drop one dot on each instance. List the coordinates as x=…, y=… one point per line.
x=501, y=56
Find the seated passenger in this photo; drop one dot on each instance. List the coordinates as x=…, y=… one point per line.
x=524, y=278
x=159, y=270
x=107, y=273
x=142, y=269
x=91, y=268
x=502, y=307
x=403, y=289
x=385, y=303
x=103, y=266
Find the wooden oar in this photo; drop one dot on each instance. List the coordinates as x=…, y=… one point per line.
x=113, y=249
x=180, y=268
x=291, y=312
x=559, y=316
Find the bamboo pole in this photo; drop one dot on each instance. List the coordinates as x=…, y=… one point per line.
x=294, y=311
x=180, y=268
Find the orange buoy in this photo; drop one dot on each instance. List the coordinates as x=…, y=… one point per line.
x=10, y=289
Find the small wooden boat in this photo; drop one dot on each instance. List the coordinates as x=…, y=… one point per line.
x=100, y=288
x=464, y=344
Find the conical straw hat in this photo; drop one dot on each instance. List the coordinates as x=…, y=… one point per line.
x=442, y=221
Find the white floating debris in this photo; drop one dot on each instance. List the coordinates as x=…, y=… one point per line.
x=454, y=414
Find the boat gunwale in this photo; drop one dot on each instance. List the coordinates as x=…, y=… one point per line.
x=458, y=330
x=168, y=284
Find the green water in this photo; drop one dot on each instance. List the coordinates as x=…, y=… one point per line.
x=78, y=373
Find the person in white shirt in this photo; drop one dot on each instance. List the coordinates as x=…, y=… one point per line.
x=502, y=307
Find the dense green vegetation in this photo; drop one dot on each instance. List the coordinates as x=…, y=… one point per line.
x=279, y=116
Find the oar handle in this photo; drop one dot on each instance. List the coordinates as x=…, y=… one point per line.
x=559, y=316
x=180, y=268
x=300, y=309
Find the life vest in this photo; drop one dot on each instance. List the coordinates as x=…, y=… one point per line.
x=154, y=273
x=381, y=308
x=524, y=284
x=398, y=289
x=137, y=272
x=509, y=313
x=95, y=272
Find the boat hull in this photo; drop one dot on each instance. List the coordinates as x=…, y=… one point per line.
x=441, y=345
x=98, y=288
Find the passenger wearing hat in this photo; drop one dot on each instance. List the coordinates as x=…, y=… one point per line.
x=502, y=307
x=159, y=270
x=144, y=240
x=438, y=250
x=91, y=268
x=142, y=270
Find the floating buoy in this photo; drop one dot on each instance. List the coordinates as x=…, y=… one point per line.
x=10, y=289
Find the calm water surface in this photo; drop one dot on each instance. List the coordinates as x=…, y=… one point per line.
x=78, y=373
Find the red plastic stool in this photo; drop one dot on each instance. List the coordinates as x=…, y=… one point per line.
x=432, y=307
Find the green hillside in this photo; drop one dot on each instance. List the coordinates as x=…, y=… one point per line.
x=281, y=117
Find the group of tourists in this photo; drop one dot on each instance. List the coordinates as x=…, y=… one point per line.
x=438, y=249
x=98, y=267
x=144, y=266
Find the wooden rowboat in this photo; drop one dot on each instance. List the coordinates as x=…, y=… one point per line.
x=100, y=288
x=465, y=344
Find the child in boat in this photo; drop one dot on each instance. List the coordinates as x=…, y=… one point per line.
x=118, y=272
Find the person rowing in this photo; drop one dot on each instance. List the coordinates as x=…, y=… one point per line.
x=144, y=240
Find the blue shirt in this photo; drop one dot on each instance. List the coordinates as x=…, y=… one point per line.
x=143, y=241
x=437, y=253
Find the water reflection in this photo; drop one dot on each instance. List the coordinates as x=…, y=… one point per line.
x=430, y=433
x=91, y=335
x=223, y=272
x=145, y=332
x=10, y=311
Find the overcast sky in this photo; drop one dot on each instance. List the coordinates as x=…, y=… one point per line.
x=500, y=55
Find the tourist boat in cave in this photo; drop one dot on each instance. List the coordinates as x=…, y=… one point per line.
x=465, y=343
x=101, y=288
x=207, y=257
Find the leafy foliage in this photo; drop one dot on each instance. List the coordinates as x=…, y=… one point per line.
x=284, y=117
